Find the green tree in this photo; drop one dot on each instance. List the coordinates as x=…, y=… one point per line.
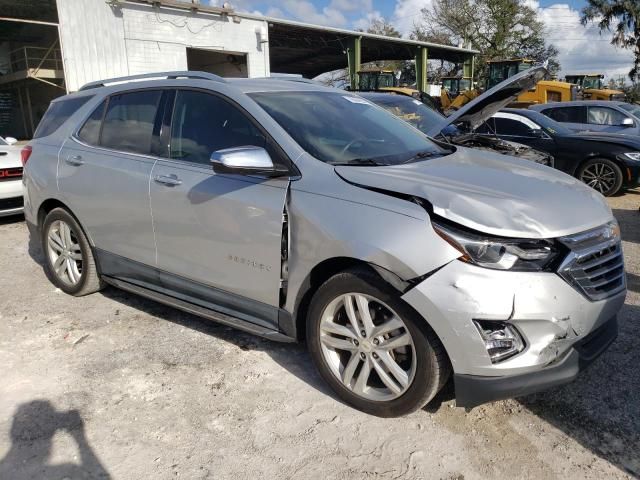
x=498, y=29
x=626, y=15
x=380, y=26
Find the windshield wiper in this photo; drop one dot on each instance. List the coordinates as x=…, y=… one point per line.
x=359, y=162
x=422, y=156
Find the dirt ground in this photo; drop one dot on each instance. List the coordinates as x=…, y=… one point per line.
x=115, y=386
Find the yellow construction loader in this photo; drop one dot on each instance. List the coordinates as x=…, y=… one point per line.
x=591, y=87
x=456, y=92
x=546, y=91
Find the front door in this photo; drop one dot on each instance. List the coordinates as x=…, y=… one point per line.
x=218, y=236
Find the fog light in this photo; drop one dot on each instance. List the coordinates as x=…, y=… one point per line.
x=501, y=339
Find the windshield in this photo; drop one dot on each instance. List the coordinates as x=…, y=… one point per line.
x=592, y=82
x=632, y=109
x=2, y=142
x=343, y=128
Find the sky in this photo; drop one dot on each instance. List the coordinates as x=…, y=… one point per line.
x=582, y=49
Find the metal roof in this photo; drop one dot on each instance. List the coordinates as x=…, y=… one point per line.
x=297, y=47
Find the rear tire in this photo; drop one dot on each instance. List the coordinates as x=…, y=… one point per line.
x=602, y=175
x=397, y=380
x=69, y=261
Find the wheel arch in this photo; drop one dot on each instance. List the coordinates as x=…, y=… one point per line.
x=52, y=203
x=327, y=269
x=594, y=156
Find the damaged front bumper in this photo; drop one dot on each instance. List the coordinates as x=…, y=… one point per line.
x=474, y=390
x=558, y=324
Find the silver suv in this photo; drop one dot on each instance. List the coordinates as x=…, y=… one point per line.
x=299, y=212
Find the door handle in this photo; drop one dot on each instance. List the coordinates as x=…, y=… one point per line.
x=75, y=160
x=169, y=180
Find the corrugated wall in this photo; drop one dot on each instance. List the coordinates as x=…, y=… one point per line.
x=103, y=41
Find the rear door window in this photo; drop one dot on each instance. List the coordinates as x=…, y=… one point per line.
x=605, y=116
x=129, y=121
x=567, y=114
x=58, y=113
x=203, y=123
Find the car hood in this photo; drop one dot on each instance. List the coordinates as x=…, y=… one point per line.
x=492, y=193
x=480, y=109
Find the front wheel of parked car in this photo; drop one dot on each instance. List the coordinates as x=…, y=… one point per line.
x=603, y=175
x=372, y=348
x=69, y=261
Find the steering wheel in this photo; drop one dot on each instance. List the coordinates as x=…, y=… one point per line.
x=349, y=145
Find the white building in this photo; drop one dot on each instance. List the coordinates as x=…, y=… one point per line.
x=50, y=47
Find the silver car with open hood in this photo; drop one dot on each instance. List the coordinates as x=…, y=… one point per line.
x=304, y=213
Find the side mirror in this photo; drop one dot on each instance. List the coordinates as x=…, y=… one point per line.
x=10, y=140
x=248, y=160
x=627, y=122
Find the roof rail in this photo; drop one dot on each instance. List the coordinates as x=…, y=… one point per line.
x=149, y=76
x=289, y=78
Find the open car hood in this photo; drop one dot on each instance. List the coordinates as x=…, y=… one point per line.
x=491, y=193
x=480, y=109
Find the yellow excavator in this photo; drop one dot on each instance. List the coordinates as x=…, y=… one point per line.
x=456, y=91
x=546, y=91
x=591, y=87
x=382, y=79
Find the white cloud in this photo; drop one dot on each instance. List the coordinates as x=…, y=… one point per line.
x=407, y=13
x=365, y=22
x=351, y=5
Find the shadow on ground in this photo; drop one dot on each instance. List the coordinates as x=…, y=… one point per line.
x=292, y=357
x=32, y=430
x=601, y=408
x=628, y=220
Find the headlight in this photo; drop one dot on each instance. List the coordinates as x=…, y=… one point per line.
x=633, y=156
x=499, y=253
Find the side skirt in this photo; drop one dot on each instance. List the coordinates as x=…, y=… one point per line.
x=198, y=310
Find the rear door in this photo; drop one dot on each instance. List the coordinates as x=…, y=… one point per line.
x=605, y=119
x=218, y=236
x=103, y=176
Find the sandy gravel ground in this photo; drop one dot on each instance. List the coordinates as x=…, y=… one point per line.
x=114, y=386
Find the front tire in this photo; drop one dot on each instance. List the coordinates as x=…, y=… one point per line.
x=372, y=348
x=602, y=175
x=69, y=261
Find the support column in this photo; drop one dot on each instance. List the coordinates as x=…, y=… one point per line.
x=353, y=57
x=468, y=67
x=421, y=69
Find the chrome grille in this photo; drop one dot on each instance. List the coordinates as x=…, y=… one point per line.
x=595, y=264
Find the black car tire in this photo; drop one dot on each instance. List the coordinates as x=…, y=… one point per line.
x=432, y=366
x=88, y=280
x=601, y=174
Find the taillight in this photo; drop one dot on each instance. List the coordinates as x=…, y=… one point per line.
x=25, y=153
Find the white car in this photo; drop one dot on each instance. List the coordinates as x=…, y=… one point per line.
x=11, y=202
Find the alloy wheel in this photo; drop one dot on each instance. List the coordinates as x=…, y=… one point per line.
x=599, y=176
x=368, y=347
x=64, y=252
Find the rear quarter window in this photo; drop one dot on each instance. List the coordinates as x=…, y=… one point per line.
x=90, y=131
x=57, y=114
